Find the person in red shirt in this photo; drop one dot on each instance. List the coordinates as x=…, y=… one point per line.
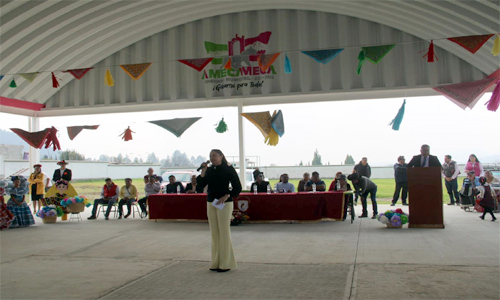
x=109, y=195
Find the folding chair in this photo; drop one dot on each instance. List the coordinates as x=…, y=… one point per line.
x=104, y=206
x=136, y=208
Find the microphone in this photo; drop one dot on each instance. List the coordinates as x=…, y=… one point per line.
x=201, y=167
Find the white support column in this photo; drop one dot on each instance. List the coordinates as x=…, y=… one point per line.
x=34, y=125
x=243, y=165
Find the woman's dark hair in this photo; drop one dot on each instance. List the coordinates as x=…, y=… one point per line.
x=224, y=161
x=477, y=160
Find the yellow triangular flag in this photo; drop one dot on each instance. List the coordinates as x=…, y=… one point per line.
x=29, y=76
x=108, y=79
x=496, y=46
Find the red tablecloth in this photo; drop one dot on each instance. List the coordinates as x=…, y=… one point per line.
x=261, y=207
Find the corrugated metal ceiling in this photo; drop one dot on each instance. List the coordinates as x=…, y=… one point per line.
x=43, y=36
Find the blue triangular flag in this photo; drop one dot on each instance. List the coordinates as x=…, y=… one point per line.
x=278, y=124
x=399, y=117
x=288, y=65
x=323, y=56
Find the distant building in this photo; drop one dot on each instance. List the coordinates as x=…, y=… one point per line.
x=11, y=151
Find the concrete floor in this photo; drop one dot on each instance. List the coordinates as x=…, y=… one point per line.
x=140, y=259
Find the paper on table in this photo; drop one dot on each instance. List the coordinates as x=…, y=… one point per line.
x=219, y=206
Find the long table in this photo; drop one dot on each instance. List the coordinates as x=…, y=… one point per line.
x=305, y=206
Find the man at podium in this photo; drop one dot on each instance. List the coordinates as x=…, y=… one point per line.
x=424, y=159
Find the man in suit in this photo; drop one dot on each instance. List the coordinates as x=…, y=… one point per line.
x=62, y=173
x=424, y=159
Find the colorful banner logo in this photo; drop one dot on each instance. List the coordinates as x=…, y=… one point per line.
x=239, y=63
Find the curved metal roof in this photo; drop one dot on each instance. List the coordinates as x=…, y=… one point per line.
x=43, y=36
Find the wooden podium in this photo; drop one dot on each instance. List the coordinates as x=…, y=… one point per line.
x=426, y=197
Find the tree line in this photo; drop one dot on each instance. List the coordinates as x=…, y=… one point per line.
x=177, y=159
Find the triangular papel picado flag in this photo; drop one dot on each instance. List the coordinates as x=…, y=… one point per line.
x=262, y=120
x=466, y=94
x=34, y=139
x=73, y=131
x=37, y=139
x=323, y=56
x=376, y=53
x=471, y=43
x=266, y=60
x=135, y=71
x=78, y=73
x=176, y=126
x=198, y=64
x=29, y=76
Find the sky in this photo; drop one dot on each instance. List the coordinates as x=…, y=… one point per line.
x=358, y=128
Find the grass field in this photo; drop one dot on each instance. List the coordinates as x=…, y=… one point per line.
x=92, y=188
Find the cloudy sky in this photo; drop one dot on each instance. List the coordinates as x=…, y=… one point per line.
x=335, y=129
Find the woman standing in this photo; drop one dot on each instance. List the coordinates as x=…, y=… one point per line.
x=18, y=206
x=473, y=164
x=37, y=186
x=218, y=177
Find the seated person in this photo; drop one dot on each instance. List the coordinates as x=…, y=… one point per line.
x=334, y=182
x=260, y=184
x=343, y=186
x=320, y=184
x=192, y=187
x=469, y=190
x=151, y=172
x=173, y=186
x=284, y=186
x=490, y=179
x=128, y=195
x=151, y=187
x=303, y=182
x=109, y=194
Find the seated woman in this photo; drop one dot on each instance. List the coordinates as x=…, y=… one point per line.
x=334, y=182
x=469, y=191
x=303, y=182
x=18, y=207
x=260, y=185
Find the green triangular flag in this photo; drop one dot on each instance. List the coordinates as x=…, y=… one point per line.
x=375, y=54
x=13, y=84
x=361, y=58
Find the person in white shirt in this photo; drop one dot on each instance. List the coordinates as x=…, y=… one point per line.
x=284, y=186
x=48, y=182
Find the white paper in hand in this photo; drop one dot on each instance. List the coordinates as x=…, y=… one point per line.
x=219, y=206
